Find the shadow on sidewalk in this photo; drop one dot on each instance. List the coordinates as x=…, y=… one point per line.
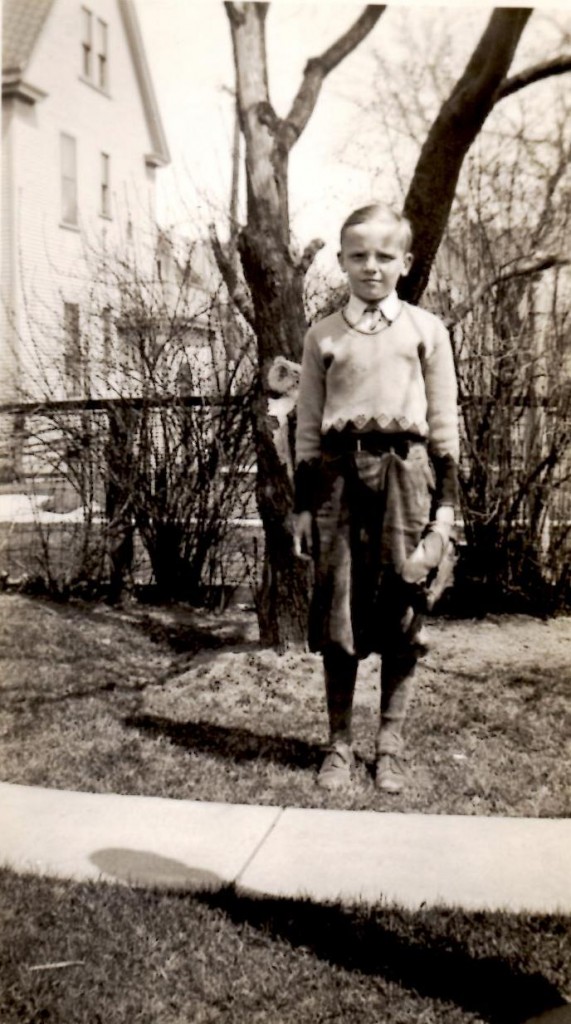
x=230, y=742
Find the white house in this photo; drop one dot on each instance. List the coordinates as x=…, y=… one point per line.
x=82, y=141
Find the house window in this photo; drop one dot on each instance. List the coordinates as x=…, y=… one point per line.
x=72, y=345
x=129, y=356
x=94, y=49
x=101, y=54
x=107, y=340
x=86, y=42
x=68, y=179
x=105, y=183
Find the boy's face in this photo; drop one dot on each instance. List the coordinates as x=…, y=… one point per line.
x=373, y=258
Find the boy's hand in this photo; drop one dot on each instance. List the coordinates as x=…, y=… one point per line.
x=429, y=553
x=444, y=522
x=302, y=535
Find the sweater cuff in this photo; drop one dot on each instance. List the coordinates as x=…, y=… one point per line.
x=305, y=485
x=446, y=473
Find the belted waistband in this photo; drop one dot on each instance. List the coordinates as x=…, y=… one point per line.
x=375, y=442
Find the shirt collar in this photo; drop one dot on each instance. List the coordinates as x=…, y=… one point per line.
x=389, y=306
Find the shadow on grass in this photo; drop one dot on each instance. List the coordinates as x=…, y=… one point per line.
x=427, y=952
x=542, y=681
x=177, y=628
x=230, y=743
x=184, y=637
x=553, y=677
x=24, y=698
x=489, y=965
x=186, y=629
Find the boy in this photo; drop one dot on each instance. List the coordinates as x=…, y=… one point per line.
x=377, y=392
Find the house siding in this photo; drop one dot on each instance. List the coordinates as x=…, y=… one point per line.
x=8, y=347
x=47, y=263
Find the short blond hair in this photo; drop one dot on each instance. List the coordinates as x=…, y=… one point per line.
x=384, y=213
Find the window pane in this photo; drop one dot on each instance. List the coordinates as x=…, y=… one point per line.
x=69, y=202
x=107, y=340
x=72, y=346
x=87, y=41
x=102, y=71
x=102, y=31
x=71, y=317
x=68, y=180
x=105, y=191
x=68, y=156
x=102, y=53
x=86, y=18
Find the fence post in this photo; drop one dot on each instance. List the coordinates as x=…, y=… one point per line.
x=123, y=422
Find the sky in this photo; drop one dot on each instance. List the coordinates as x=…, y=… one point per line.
x=188, y=47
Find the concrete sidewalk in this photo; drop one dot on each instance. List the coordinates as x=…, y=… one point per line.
x=415, y=860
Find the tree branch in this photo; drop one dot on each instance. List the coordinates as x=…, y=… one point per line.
x=308, y=255
x=457, y=124
x=557, y=66
x=236, y=14
x=237, y=289
x=317, y=68
x=523, y=268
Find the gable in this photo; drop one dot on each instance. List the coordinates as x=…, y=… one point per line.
x=22, y=24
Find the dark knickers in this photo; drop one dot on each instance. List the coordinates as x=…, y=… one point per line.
x=369, y=513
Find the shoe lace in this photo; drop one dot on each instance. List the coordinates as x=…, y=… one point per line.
x=394, y=761
x=337, y=757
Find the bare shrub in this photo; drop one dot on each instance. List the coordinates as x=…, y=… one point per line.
x=150, y=448
x=502, y=284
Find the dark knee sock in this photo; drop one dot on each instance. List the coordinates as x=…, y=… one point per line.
x=340, y=675
x=397, y=675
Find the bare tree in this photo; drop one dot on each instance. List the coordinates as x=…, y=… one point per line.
x=274, y=275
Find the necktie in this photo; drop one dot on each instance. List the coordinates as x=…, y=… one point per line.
x=372, y=317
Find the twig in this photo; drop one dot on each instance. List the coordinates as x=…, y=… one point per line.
x=57, y=965
x=523, y=268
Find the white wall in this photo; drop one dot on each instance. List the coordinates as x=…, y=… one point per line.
x=50, y=260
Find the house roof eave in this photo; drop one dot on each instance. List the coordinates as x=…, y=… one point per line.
x=22, y=26
x=156, y=160
x=159, y=156
x=14, y=87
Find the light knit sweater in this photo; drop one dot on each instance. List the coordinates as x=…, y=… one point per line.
x=399, y=378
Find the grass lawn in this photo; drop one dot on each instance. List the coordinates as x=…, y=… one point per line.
x=183, y=703
x=105, y=954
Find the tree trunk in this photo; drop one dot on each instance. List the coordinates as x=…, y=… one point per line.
x=459, y=121
x=276, y=287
